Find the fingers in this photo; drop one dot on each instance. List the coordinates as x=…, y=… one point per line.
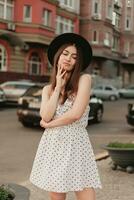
x=60, y=77
x=61, y=72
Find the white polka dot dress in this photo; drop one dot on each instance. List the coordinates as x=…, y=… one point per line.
x=65, y=160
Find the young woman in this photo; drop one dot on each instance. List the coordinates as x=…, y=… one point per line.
x=65, y=160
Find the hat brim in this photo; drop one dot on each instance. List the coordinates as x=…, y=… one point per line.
x=71, y=38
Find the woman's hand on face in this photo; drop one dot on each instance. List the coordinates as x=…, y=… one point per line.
x=60, y=80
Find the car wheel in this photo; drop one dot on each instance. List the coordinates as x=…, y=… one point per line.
x=121, y=95
x=112, y=98
x=99, y=115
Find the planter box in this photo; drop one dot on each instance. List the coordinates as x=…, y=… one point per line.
x=122, y=157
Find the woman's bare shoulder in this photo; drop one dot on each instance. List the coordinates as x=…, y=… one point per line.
x=85, y=75
x=84, y=78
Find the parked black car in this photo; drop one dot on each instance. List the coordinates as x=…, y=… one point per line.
x=130, y=114
x=29, y=105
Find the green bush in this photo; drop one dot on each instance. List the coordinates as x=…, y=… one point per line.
x=6, y=193
x=120, y=145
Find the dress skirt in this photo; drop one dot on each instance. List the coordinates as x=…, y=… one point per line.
x=65, y=160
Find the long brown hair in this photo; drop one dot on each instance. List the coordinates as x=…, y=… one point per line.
x=72, y=84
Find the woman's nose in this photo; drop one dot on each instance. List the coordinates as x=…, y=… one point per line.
x=68, y=57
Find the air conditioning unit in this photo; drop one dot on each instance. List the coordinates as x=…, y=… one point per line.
x=129, y=4
x=25, y=47
x=118, y=3
x=126, y=54
x=11, y=26
x=97, y=16
x=106, y=42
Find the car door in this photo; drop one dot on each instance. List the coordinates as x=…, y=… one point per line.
x=8, y=89
x=108, y=91
x=130, y=92
x=98, y=91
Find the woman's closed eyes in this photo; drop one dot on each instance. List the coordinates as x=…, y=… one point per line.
x=66, y=53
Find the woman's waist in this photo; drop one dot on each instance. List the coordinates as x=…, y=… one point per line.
x=66, y=132
x=70, y=127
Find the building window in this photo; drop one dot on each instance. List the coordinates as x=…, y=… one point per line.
x=27, y=13
x=64, y=25
x=109, y=11
x=47, y=18
x=6, y=9
x=96, y=7
x=3, y=58
x=95, y=37
x=126, y=48
x=107, y=39
x=117, y=20
x=128, y=23
x=115, y=45
x=71, y=5
x=96, y=10
x=35, y=64
x=68, y=3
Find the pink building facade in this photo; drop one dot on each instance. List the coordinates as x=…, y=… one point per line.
x=109, y=27
x=26, y=29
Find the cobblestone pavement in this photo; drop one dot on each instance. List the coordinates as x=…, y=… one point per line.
x=117, y=185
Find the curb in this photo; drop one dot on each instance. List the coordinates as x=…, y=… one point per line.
x=102, y=155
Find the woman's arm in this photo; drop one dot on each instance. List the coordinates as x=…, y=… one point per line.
x=79, y=106
x=49, y=103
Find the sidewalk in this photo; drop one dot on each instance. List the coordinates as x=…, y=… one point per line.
x=117, y=185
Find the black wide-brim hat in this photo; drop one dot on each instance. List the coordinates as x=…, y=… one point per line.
x=72, y=38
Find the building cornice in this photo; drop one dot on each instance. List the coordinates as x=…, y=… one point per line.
x=64, y=12
x=55, y=2
x=36, y=38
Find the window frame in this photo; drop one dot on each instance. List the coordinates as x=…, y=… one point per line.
x=27, y=19
x=47, y=17
x=69, y=3
x=38, y=64
x=128, y=19
x=4, y=58
x=115, y=43
x=5, y=6
x=98, y=2
x=107, y=39
x=97, y=37
x=109, y=11
x=64, y=25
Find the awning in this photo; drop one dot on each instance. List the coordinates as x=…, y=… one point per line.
x=13, y=39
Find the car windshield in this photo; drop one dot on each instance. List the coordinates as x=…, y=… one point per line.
x=34, y=91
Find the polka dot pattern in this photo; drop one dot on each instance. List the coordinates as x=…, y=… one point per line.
x=65, y=160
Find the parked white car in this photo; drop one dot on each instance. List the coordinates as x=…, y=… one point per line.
x=105, y=92
x=2, y=97
x=127, y=92
x=14, y=89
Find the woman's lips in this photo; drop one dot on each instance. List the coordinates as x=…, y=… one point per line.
x=65, y=63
